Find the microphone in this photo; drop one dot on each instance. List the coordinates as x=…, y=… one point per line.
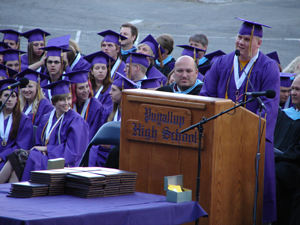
x=238, y=53
x=22, y=83
x=268, y=93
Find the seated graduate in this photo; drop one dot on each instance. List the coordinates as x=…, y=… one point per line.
x=83, y=102
x=75, y=59
x=15, y=127
x=100, y=76
x=185, y=75
x=287, y=155
x=111, y=45
x=166, y=41
x=12, y=59
x=192, y=52
x=98, y=154
x=136, y=67
x=3, y=46
x=200, y=41
x=285, y=101
x=6, y=72
x=149, y=46
x=35, y=57
x=62, y=133
x=56, y=66
x=33, y=102
x=11, y=38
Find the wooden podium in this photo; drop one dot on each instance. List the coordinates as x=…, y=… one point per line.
x=152, y=146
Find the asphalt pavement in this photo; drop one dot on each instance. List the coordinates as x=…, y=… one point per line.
x=83, y=19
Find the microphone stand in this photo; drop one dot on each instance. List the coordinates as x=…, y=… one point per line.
x=257, y=158
x=200, y=131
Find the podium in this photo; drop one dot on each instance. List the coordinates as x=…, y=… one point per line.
x=152, y=146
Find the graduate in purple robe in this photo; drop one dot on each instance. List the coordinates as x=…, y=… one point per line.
x=83, y=102
x=11, y=38
x=62, y=133
x=99, y=76
x=35, y=57
x=111, y=45
x=6, y=72
x=33, y=102
x=56, y=66
x=285, y=90
x=98, y=154
x=149, y=46
x=3, y=46
x=75, y=59
x=15, y=128
x=11, y=59
x=226, y=79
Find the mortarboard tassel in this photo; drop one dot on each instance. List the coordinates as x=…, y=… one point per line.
x=160, y=57
x=195, y=55
x=7, y=73
x=251, y=37
x=161, y=83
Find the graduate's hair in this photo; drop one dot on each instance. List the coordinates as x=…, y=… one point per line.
x=73, y=90
x=56, y=98
x=74, y=47
x=106, y=82
x=293, y=67
x=134, y=30
x=38, y=97
x=143, y=68
x=115, y=108
x=17, y=114
x=199, y=38
x=30, y=53
x=166, y=41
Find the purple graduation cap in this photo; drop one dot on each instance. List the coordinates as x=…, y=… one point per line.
x=138, y=58
x=80, y=76
x=32, y=75
x=155, y=47
x=62, y=42
x=204, y=69
x=274, y=56
x=213, y=56
x=3, y=46
x=55, y=51
x=8, y=82
x=99, y=57
x=59, y=87
x=11, y=35
x=150, y=83
x=11, y=55
x=124, y=83
x=285, y=79
x=111, y=36
x=190, y=51
x=7, y=72
x=251, y=28
x=35, y=35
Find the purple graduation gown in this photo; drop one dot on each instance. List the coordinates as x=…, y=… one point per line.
x=44, y=107
x=95, y=116
x=73, y=142
x=264, y=76
x=119, y=70
x=25, y=63
x=98, y=154
x=80, y=64
x=152, y=72
x=24, y=139
x=105, y=98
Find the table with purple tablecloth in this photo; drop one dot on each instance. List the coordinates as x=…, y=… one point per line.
x=140, y=208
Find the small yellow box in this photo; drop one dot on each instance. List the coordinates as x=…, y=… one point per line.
x=173, y=196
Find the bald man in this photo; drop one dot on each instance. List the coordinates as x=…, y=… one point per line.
x=185, y=74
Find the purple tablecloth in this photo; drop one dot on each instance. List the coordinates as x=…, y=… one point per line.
x=140, y=208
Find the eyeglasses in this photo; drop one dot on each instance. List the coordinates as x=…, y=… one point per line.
x=55, y=62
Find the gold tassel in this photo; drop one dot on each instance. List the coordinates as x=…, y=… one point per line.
x=7, y=73
x=161, y=83
x=250, y=45
x=195, y=55
x=160, y=57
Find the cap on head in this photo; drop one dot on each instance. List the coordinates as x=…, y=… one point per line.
x=138, y=58
x=99, y=57
x=7, y=72
x=124, y=83
x=190, y=51
x=59, y=87
x=35, y=35
x=3, y=46
x=80, y=76
x=11, y=35
x=11, y=54
x=62, y=42
x=285, y=79
x=32, y=75
x=8, y=82
x=55, y=51
x=112, y=36
x=251, y=28
x=154, y=45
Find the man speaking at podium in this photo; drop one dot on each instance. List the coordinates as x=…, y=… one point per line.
x=249, y=70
